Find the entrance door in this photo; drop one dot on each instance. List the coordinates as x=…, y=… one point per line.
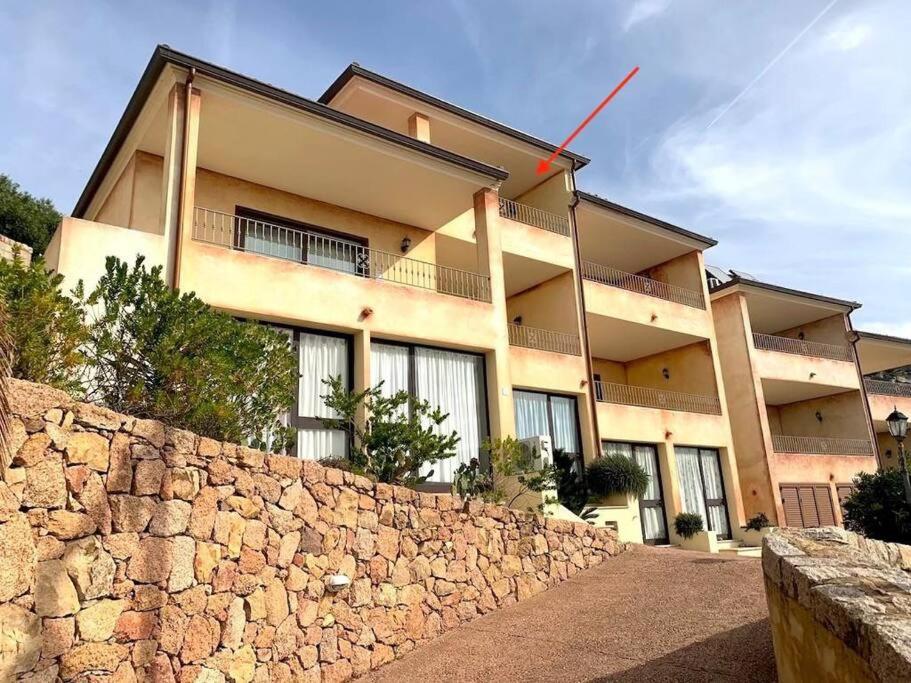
x=651, y=505
x=702, y=487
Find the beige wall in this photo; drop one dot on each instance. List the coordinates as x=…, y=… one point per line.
x=620, y=304
x=831, y=330
x=842, y=416
x=690, y=369
x=9, y=248
x=683, y=271
x=547, y=306
x=553, y=195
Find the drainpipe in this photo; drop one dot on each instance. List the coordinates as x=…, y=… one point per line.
x=853, y=337
x=182, y=187
x=586, y=347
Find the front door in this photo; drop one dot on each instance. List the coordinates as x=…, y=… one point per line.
x=651, y=505
x=702, y=487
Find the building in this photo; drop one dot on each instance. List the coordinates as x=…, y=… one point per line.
x=795, y=399
x=398, y=237
x=879, y=355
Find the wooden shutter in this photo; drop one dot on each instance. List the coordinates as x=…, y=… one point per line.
x=791, y=506
x=824, y=505
x=808, y=506
x=843, y=491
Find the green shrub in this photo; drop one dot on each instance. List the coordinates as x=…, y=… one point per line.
x=617, y=474
x=572, y=491
x=757, y=522
x=46, y=328
x=688, y=524
x=470, y=481
x=877, y=507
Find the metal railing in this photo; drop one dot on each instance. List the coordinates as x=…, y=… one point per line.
x=641, y=285
x=645, y=397
x=523, y=213
x=346, y=256
x=820, y=445
x=544, y=340
x=882, y=388
x=801, y=347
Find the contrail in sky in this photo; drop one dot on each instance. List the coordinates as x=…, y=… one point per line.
x=772, y=63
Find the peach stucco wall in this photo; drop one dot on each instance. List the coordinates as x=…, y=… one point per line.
x=548, y=305
x=830, y=330
x=842, y=416
x=795, y=368
x=683, y=271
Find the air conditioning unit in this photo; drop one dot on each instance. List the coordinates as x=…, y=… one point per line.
x=540, y=451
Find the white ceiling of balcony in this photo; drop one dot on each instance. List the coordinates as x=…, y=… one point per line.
x=877, y=355
x=780, y=392
x=625, y=243
x=449, y=131
x=622, y=341
x=772, y=312
x=270, y=144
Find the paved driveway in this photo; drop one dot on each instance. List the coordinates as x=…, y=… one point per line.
x=648, y=615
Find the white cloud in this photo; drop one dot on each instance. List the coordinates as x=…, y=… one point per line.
x=847, y=37
x=643, y=10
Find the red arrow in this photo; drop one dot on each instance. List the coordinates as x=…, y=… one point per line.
x=544, y=164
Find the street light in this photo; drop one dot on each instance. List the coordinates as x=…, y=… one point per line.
x=898, y=428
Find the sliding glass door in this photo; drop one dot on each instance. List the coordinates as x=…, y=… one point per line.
x=450, y=380
x=702, y=487
x=320, y=356
x=541, y=414
x=651, y=505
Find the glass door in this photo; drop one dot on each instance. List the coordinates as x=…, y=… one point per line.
x=651, y=505
x=702, y=487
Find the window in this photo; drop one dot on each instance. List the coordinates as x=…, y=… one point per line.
x=702, y=487
x=452, y=380
x=539, y=414
x=284, y=238
x=320, y=357
x=651, y=505
x=807, y=505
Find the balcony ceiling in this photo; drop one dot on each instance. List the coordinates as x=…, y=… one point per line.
x=780, y=392
x=521, y=273
x=392, y=110
x=623, y=341
x=623, y=242
x=270, y=144
x=771, y=312
x=879, y=352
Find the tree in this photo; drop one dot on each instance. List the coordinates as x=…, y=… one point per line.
x=391, y=438
x=158, y=353
x=877, y=507
x=45, y=326
x=25, y=218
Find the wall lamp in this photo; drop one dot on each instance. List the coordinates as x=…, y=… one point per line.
x=665, y=373
x=406, y=244
x=819, y=416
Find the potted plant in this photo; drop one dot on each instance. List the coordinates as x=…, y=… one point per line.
x=611, y=476
x=688, y=524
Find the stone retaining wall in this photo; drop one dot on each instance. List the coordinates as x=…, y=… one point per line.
x=839, y=605
x=8, y=246
x=140, y=552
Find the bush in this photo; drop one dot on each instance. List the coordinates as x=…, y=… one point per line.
x=688, y=524
x=398, y=439
x=617, y=474
x=157, y=353
x=572, y=491
x=46, y=328
x=877, y=507
x=470, y=481
x=25, y=218
x=757, y=522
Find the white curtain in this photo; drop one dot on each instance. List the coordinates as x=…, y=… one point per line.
x=652, y=518
x=691, y=493
x=531, y=414
x=321, y=357
x=714, y=489
x=272, y=240
x=614, y=448
x=564, y=414
x=454, y=382
x=389, y=365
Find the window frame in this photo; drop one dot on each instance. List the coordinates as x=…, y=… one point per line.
x=550, y=414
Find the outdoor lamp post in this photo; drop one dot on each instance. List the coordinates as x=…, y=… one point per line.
x=898, y=428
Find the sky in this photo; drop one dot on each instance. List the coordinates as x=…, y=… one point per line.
x=780, y=128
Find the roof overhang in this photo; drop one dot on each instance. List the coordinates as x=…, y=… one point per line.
x=364, y=93
x=878, y=352
x=773, y=308
x=647, y=241
x=398, y=151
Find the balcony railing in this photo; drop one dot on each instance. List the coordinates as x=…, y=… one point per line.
x=346, y=256
x=534, y=217
x=881, y=388
x=801, y=347
x=819, y=445
x=645, y=397
x=544, y=340
x=641, y=285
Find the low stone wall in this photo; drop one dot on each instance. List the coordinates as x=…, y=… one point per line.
x=8, y=246
x=141, y=552
x=839, y=605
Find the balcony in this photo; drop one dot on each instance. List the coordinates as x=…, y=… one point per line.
x=881, y=388
x=341, y=255
x=818, y=445
x=801, y=347
x=645, y=397
x=529, y=215
x=612, y=277
x=544, y=340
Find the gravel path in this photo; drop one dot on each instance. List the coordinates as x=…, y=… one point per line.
x=648, y=615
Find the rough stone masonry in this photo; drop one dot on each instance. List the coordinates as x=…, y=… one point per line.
x=132, y=551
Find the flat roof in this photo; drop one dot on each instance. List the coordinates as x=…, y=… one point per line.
x=354, y=69
x=778, y=289
x=878, y=336
x=164, y=55
x=632, y=213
